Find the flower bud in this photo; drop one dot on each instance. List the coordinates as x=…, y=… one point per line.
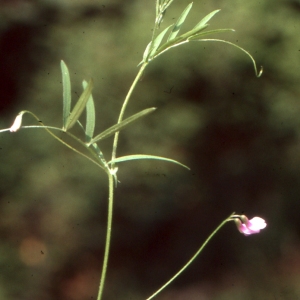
x=17, y=123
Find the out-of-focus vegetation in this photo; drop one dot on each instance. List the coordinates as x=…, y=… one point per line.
x=240, y=135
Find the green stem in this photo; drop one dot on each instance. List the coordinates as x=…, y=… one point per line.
x=192, y=259
x=116, y=138
x=111, y=183
x=108, y=234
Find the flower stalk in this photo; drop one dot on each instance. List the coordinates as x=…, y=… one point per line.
x=247, y=227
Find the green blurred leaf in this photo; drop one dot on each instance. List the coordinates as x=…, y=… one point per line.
x=179, y=22
x=79, y=107
x=66, y=92
x=184, y=38
x=146, y=53
x=200, y=26
x=156, y=43
x=145, y=156
x=203, y=23
x=90, y=116
x=117, y=127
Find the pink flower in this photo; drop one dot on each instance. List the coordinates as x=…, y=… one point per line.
x=17, y=123
x=248, y=227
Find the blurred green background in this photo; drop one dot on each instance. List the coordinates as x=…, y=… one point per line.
x=240, y=135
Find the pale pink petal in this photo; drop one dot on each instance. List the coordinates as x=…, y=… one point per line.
x=245, y=230
x=242, y=227
x=248, y=227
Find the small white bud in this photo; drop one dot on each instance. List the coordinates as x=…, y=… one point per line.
x=17, y=123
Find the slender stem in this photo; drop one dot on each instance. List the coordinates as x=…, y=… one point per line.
x=116, y=138
x=192, y=259
x=108, y=234
x=137, y=78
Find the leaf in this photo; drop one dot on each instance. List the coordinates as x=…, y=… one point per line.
x=179, y=40
x=145, y=156
x=117, y=127
x=90, y=116
x=79, y=107
x=203, y=23
x=184, y=38
x=156, y=43
x=66, y=92
x=146, y=53
x=179, y=22
x=200, y=26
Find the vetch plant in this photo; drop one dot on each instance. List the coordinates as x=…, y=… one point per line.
x=71, y=117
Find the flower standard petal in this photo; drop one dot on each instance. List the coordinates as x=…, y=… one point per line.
x=256, y=224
